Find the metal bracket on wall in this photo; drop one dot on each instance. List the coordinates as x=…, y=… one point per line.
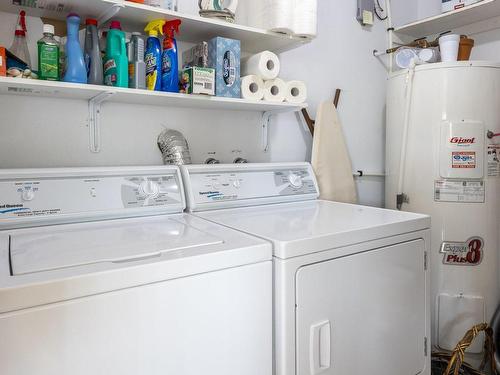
x=110, y=13
x=94, y=120
x=265, y=123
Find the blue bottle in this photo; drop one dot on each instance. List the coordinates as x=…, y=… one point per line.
x=152, y=55
x=169, y=58
x=76, y=70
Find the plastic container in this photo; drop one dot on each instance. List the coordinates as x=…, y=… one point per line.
x=116, y=62
x=465, y=48
x=429, y=55
x=169, y=58
x=75, y=63
x=448, y=46
x=19, y=47
x=93, y=59
x=48, y=55
x=136, y=64
x=404, y=56
x=153, y=55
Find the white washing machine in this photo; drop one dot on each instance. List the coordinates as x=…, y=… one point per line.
x=351, y=285
x=101, y=273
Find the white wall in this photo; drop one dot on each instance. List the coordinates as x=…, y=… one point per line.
x=41, y=132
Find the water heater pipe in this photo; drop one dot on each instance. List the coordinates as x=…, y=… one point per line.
x=400, y=198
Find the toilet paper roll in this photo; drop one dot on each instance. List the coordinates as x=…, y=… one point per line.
x=305, y=17
x=252, y=87
x=275, y=90
x=296, y=92
x=274, y=15
x=265, y=65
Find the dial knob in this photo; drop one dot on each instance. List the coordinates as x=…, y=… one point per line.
x=149, y=188
x=295, y=180
x=28, y=195
x=237, y=184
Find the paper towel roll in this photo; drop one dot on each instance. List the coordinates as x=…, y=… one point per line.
x=275, y=90
x=274, y=15
x=305, y=18
x=252, y=87
x=265, y=65
x=296, y=92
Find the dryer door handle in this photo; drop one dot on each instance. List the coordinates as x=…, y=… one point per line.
x=320, y=347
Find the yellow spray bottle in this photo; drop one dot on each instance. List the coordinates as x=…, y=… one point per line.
x=152, y=56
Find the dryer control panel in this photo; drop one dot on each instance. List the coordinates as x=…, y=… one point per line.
x=224, y=186
x=43, y=196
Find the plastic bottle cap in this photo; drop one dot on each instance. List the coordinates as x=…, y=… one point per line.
x=91, y=21
x=115, y=25
x=48, y=29
x=19, y=33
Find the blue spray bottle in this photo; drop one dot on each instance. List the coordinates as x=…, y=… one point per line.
x=152, y=55
x=169, y=58
x=76, y=71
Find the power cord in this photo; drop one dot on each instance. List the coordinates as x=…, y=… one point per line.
x=377, y=7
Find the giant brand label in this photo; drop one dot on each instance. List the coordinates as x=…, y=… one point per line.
x=468, y=253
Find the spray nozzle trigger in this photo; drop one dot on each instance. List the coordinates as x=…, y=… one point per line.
x=156, y=27
x=171, y=28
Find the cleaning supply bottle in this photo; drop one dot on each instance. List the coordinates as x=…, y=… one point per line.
x=93, y=59
x=75, y=64
x=19, y=46
x=153, y=55
x=48, y=55
x=116, y=62
x=169, y=58
x=136, y=64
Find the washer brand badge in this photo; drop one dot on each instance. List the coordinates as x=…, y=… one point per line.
x=462, y=141
x=211, y=194
x=468, y=253
x=8, y=208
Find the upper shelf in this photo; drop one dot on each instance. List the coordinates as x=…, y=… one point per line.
x=63, y=90
x=478, y=17
x=193, y=29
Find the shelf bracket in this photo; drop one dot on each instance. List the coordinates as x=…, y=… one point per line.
x=110, y=13
x=266, y=122
x=94, y=120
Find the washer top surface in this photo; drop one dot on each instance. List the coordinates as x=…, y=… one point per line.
x=301, y=228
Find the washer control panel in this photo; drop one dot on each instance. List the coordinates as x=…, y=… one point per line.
x=68, y=195
x=221, y=186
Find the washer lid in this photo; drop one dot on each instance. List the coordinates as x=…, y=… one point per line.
x=307, y=227
x=114, y=241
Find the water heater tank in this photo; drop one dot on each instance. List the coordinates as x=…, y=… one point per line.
x=443, y=152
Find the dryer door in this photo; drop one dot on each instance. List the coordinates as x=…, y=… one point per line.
x=363, y=314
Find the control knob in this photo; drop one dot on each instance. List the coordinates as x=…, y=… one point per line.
x=295, y=180
x=149, y=188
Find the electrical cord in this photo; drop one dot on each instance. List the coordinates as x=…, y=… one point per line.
x=377, y=7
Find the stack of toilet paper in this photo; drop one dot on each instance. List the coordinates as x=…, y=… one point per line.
x=260, y=81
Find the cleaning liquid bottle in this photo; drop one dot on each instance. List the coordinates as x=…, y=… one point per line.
x=75, y=64
x=136, y=64
x=152, y=57
x=93, y=59
x=19, y=46
x=116, y=65
x=48, y=55
x=169, y=58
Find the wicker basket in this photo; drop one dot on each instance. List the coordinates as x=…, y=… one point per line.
x=453, y=364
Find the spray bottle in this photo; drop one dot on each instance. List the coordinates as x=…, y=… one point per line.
x=169, y=58
x=153, y=55
x=19, y=46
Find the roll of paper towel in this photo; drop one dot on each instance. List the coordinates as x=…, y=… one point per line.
x=274, y=15
x=265, y=65
x=275, y=90
x=296, y=92
x=252, y=87
x=305, y=18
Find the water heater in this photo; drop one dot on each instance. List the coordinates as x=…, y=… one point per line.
x=443, y=152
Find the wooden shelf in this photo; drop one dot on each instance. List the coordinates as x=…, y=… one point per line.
x=475, y=18
x=193, y=29
x=63, y=90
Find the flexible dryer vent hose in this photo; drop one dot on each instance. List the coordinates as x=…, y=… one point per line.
x=174, y=147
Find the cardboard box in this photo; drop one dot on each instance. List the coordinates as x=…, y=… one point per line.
x=198, y=80
x=3, y=62
x=196, y=56
x=449, y=5
x=224, y=56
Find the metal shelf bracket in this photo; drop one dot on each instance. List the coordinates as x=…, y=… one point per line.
x=110, y=13
x=94, y=120
x=266, y=122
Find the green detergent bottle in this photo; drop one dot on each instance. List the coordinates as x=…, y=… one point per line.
x=116, y=61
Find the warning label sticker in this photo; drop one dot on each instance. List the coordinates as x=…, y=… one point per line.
x=463, y=159
x=459, y=191
x=493, y=160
